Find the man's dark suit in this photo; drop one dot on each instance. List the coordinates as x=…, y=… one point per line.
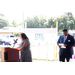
x=68, y=51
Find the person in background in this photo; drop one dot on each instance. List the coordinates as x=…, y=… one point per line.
x=24, y=47
x=65, y=43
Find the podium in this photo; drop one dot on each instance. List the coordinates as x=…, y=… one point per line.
x=9, y=54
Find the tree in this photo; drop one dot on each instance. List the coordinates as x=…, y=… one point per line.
x=3, y=21
x=16, y=33
x=51, y=22
x=2, y=15
x=36, y=22
x=14, y=23
x=42, y=21
x=66, y=21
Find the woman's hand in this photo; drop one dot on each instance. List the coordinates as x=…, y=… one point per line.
x=17, y=48
x=24, y=45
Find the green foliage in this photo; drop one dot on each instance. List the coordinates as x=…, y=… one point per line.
x=66, y=20
x=36, y=22
x=14, y=23
x=1, y=14
x=51, y=22
x=3, y=21
x=16, y=33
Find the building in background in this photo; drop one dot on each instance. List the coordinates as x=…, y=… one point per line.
x=9, y=30
x=35, y=34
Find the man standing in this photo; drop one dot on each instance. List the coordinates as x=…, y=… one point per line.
x=65, y=43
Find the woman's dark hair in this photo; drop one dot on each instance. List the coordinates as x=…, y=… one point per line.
x=24, y=36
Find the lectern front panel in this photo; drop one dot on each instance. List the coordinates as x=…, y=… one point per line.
x=5, y=55
x=9, y=54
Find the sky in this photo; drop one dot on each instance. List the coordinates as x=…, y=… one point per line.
x=18, y=16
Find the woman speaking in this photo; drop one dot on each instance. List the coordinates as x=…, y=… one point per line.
x=24, y=47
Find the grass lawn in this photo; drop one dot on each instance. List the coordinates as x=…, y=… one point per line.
x=45, y=60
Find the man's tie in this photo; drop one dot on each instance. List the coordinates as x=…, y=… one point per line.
x=64, y=39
